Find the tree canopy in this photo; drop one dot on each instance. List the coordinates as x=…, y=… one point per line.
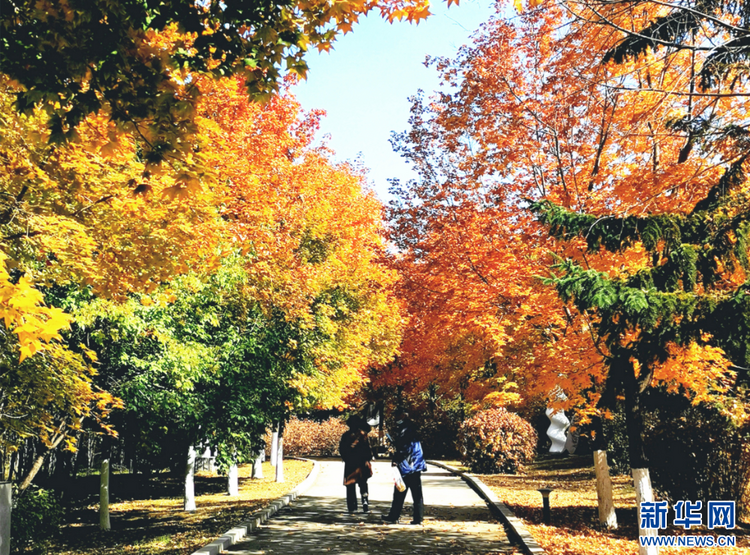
x=208, y=306
x=531, y=116
x=81, y=57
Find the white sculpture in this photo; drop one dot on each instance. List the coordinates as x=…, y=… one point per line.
x=559, y=424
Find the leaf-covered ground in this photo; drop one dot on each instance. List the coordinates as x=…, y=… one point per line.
x=574, y=526
x=147, y=516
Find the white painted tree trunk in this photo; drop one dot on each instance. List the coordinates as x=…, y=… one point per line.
x=644, y=493
x=104, y=523
x=5, y=507
x=189, y=503
x=233, y=481
x=258, y=466
x=607, y=515
x=274, y=446
x=280, y=459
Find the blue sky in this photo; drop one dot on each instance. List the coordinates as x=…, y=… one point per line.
x=364, y=83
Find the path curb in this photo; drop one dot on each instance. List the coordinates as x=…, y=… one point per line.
x=236, y=534
x=515, y=524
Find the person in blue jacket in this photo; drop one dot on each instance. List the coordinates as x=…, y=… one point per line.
x=409, y=459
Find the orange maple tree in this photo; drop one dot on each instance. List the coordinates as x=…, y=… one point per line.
x=529, y=112
x=636, y=170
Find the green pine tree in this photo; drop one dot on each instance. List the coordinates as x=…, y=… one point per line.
x=680, y=298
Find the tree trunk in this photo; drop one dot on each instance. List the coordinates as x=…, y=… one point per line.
x=258, y=465
x=638, y=459
x=274, y=444
x=634, y=423
x=5, y=507
x=280, y=454
x=13, y=470
x=381, y=431
x=644, y=493
x=233, y=482
x=39, y=460
x=607, y=515
x=31, y=474
x=189, y=503
x=104, y=523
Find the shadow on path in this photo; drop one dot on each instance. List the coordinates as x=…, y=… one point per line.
x=457, y=521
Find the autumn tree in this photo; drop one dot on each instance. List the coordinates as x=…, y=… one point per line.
x=46, y=398
x=299, y=306
x=313, y=237
x=312, y=233
x=73, y=216
x=79, y=214
x=80, y=58
x=690, y=291
x=195, y=362
x=531, y=117
x=715, y=32
x=98, y=219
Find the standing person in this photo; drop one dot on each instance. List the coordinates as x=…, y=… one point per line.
x=409, y=459
x=354, y=448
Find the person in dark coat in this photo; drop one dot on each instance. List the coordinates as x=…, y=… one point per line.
x=409, y=460
x=354, y=448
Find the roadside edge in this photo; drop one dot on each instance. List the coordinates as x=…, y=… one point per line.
x=515, y=525
x=236, y=534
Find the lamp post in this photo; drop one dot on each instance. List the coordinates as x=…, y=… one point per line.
x=545, y=504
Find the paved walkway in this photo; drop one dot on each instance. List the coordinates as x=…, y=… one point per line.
x=457, y=521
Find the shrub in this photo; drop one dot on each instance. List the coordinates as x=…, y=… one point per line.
x=437, y=434
x=495, y=441
x=694, y=452
x=36, y=518
x=699, y=453
x=310, y=438
x=616, y=436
